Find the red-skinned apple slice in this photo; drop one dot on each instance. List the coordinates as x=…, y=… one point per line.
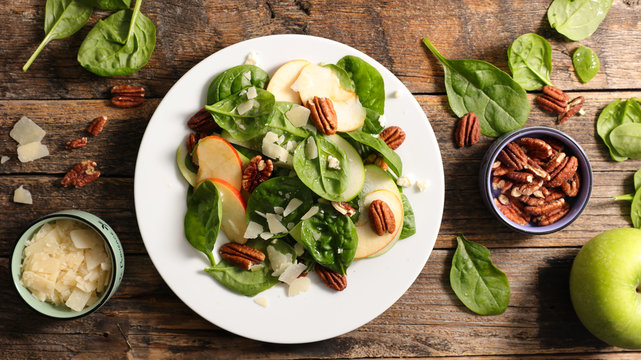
x=281, y=82
x=217, y=158
x=369, y=242
x=233, y=221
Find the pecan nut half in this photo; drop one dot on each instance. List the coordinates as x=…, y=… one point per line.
x=553, y=100
x=393, y=137
x=563, y=175
x=468, y=130
x=76, y=143
x=332, y=279
x=126, y=96
x=323, y=115
x=202, y=122
x=242, y=256
x=574, y=107
x=536, y=148
x=257, y=171
x=510, y=212
x=97, y=125
x=81, y=174
x=513, y=156
x=572, y=186
x=381, y=217
x=344, y=208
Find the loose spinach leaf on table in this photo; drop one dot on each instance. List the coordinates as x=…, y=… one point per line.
x=530, y=61
x=409, y=224
x=249, y=125
x=577, y=19
x=109, y=4
x=637, y=185
x=635, y=210
x=586, y=63
x=244, y=282
x=477, y=86
x=202, y=219
x=368, y=82
x=326, y=182
x=391, y=158
x=480, y=285
x=329, y=237
x=119, y=45
x=233, y=80
x=63, y=18
x=626, y=140
x=610, y=118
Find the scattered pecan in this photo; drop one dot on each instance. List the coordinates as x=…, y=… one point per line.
x=76, y=143
x=202, y=122
x=191, y=142
x=568, y=170
x=81, y=174
x=393, y=137
x=536, y=148
x=332, y=279
x=381, y=217
x=344, y=208
x=323, y=115
x=243, y=256
x=97, y=125
x=126, y=96
x=574, y=107
x=513, y=156
x=553, y=100
x=572, y=186
x=381, y=163
x=257, y=171
x=468, y=130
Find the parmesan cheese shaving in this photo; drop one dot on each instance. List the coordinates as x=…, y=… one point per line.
x=311, y=212
x=25, y=131
x=299, y=285
x=292, y=206
x=22, y=196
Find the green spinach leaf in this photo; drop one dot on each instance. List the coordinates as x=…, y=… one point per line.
x=391, y=158
x=368, y=82
x=343, y=77
x=252, y=122
x=372, y=124
x=119, y=45
x=63, y=18
x=233, y=80
x=329, y=237
x=635, y=210
x=577, y=19
x=477, y=86
x=109, y=4
x=626, y=140
x=637, y=185
x=530, y=61
x=586, y=63
x=202, y=220
x=480, y=285
x=315, y=172
x=610, y=118
x=409, y=224
x=279, y=120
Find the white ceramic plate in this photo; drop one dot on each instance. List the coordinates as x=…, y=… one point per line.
x=320, y=313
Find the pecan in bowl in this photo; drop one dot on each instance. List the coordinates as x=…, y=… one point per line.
x=536, y=180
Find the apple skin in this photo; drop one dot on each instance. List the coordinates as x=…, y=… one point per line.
x=603, y=286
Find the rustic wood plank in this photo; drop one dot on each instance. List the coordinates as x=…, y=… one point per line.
x=388, y=31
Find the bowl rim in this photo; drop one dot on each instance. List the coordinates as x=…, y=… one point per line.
x=16, y=277
x=486, y=175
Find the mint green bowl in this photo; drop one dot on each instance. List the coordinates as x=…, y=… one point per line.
x=114, y=250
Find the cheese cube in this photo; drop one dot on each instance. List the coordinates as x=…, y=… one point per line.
x=26, y=131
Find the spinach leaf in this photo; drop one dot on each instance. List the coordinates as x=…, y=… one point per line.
x=279, y=120
x=586, y=63
x=610, y=118
x=119, y=45
x=329, y=237
x=409, y=224
x=202, y=220
x=368, y=82
x=233, y=80
x=637, y=185
x=343, y=77
x=372, y=125
x=577, y=19
x=635, y=210
x=480, y=285
x=328, y=183
x=477, y=86
x=251, y=123
x=391, y=158
x=530, y=61
x=278, y=192
x=248, y=283
x=626, y=140
x=108, y=4
x=63, y=18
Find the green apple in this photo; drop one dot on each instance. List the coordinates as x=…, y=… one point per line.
x=356, y=168
x=605, y=287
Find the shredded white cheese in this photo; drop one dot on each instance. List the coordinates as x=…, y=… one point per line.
x=421, y=185
x=22, y=196
x=262, y=301
x=298, y=115
x=252, y=58
x=4, y=159
x=253, y=230
x=404, y=181
x=292, y=206
x=311, y=212
x=299, y=285
x=251, y=93
x=333, y=163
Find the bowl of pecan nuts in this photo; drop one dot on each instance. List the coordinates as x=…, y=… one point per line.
x=536, y=180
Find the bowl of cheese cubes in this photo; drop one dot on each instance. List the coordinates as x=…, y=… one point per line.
x=67, y=264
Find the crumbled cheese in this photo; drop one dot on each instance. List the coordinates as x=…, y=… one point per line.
x=404, y=181
x=333, y=163
x=251, y=93
x=245, y=107
x=421, y=185
x=382, y=120
x=581, y=112
x=261, y=214
x=278, y=261
x=311, y=212
x=299, y=249
x=32, y=151
x=291, y=273
x=262, y=301
x=272, y=149
x=396, y=94
x=248, y=76
x=279, y=210
x=266, y=235
x=299, y=285
x=292, y=206
x=311, y=150
x=275, y=226
x=252, y=58
x=4, y=159
x=25, y=131
x=298, y=115
x=22, y=196
x=253, y=230
x=291, y=145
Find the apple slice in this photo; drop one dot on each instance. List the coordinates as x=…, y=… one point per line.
x=281, y=82
x=182, y=156
x=217, y=158
x=233, y=221
x=356, y=168
x=315, y=80
x=378, y=179
x=369, y=242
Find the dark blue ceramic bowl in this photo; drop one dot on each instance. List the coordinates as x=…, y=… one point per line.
x=577, y=203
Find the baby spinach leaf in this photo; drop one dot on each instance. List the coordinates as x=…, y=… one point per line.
x=391, y=158
x=329, y=237
x=328, y=183
x=202, y=220
x=343, y=77
x=477, y=86
x=278, y=192
x=372, y=125
x=279, y=120
x=530, y=61
x=249, y=125
x=637, y=185
x=635, y=210
x=586, y=63
x=109, y=4
x=244, y=282
x=626, y=140
x=409, y=224
x=480, y=285
x=577, y=19
x=626, y=197
x=119, y=45
x=63, y=18
x=610, y=118
x=233, y=80
x=368, y=82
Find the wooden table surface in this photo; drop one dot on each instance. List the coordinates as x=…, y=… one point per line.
x=146, y=320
